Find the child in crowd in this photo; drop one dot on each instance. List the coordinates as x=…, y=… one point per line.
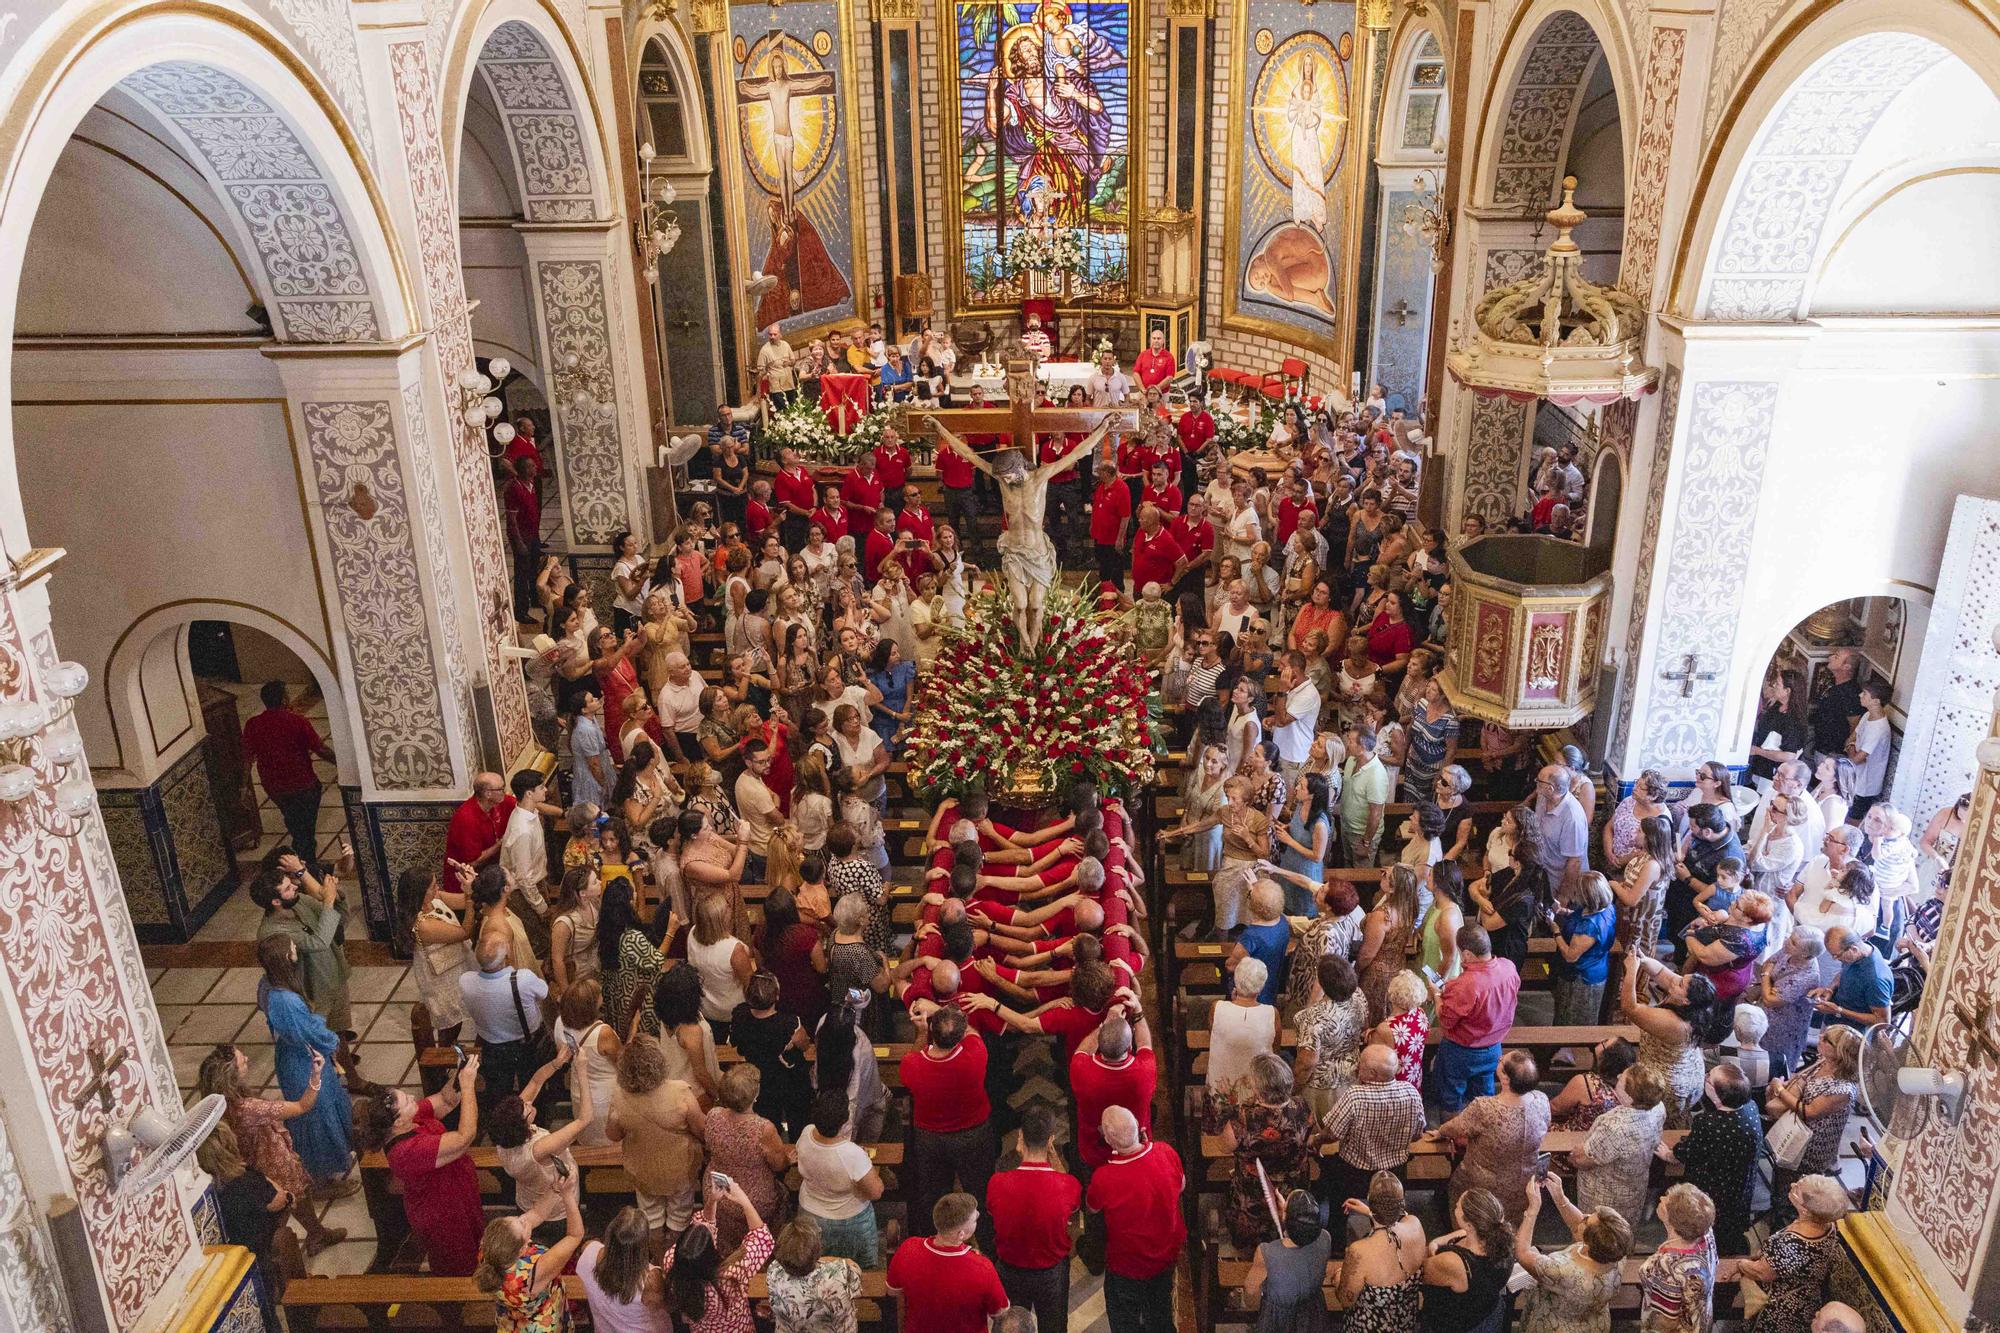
x=1713, y=903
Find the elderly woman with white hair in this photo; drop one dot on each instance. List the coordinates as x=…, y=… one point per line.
x=1241, y=1027
x=1797, y=1259
x=1783, y=989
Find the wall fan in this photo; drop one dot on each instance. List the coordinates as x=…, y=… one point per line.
x=140, y=1154
x=1899, y=1096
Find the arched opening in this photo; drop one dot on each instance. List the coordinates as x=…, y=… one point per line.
x=1607, y=492
x=1560, y=116
x=1810, y=704
x=199, y=209
x=530, y=167
x=690, y=323
x=1410, y=170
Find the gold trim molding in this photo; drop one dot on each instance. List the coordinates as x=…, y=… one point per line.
x=222, y=1271
x=1893, y=1272
x=711, y=19
x=1191, y=9
x=897, y=10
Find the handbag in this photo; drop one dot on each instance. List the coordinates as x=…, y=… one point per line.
x=1788, y=1139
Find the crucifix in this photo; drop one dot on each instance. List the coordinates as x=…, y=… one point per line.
x=1027, y=557
x=1401, y=310
x=776, y=90
x=1687, y=675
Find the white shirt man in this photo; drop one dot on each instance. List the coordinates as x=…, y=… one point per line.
x=680, y=699
x=1109, y=386
x=1294, y=717
x=524, y=847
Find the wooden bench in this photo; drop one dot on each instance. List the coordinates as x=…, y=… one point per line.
x=1230, y=1275
x=605, y=1181
x=1540, y=1042
x=399, y=1300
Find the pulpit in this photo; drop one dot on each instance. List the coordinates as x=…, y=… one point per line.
x=1527, y=628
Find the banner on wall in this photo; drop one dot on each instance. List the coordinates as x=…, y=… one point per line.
x=1286, y=203
x=794, y=89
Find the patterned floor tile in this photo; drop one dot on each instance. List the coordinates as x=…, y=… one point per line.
x=185, y=985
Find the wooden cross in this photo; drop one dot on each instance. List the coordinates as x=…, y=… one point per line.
x=1019, y=417
x=1687, y=675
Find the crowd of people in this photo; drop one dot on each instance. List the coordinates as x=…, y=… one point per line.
x=682, y=945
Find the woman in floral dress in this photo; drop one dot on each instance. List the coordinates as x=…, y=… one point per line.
x=1331, y=1030
x=1501, y=1135
x=745, y=1147
x=524, y=1278
x=1265, y=1125
x=259, y=1125
x=1408, y=1026
x=810, y=1292
x=1615, y=1163
x=1574, y=1286
x=1782, y=991
x=1593, y=1092
x=704, y=1294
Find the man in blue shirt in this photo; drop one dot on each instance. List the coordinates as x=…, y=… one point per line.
x=505, y=1006
x=1859, y=997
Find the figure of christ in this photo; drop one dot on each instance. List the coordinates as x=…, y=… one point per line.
x=776, y=91
x=808, y=277
x=1027, y=556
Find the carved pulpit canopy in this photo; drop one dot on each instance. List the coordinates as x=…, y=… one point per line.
x=1556, y=335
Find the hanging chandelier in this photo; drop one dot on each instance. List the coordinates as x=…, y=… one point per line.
x=1556, y=335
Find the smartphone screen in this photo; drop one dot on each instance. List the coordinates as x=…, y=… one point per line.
x=1542, y=1162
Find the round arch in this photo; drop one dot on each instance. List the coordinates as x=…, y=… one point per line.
x=124, y=688
x=1552, y=49
x=667, y=37
x=1740, y=714
x=1420, y=39
x=287, y=172
x=1827, y=53
x=533, y=70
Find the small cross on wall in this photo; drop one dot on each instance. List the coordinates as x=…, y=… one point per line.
x=1688, y=675
x=1401, y=310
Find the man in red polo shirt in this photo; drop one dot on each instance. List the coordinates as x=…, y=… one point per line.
x=1155, y=365
x=1031, y=1207
x=878, y=545
x=796, y=496
x=1156, y=556
x=282, y=744
x=952, y=1133
x=1139, y=1192
x=1196, y=535
x=861, y=492
x=912, y=517
x=757, y=511
x=946, y=1286
x=956, y=474
x=473, y=837
x=1115, y=1066
x=1110, y=519
x=1161, y=490
x=892, y=467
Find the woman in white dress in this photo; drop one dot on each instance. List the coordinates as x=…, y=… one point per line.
x=956, y=577
x=1245, y=528
x=890, y=605
x=596, y=1049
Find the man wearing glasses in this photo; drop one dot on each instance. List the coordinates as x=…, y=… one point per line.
x=1565, y=831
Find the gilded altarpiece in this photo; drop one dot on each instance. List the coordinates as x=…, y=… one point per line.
x=791, y=83
x=1289, y=205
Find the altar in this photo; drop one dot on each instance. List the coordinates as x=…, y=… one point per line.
x=1057, y=378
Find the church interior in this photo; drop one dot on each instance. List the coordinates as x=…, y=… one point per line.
x=1365, y=493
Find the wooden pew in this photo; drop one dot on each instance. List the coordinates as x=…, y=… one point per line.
x=1230, y=1274
x=604, y=1181
x=393, y=1300
x=1540, y=1042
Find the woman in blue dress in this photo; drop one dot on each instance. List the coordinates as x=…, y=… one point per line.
x=323, y=1134
x=1302, y=844
x=889, y=677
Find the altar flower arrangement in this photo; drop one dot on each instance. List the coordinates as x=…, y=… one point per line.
x=1232, y=432
x=804, y=427
x=1037, y=249
x=1073, y=709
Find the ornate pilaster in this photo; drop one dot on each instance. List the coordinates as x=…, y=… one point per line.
x=1942, y=1204
x=1687, y=654
x=457, y=499
x=374, y=496
x=573, y=274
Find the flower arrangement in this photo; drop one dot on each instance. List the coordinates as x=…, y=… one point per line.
x=1232, y=433
x=802, y=426
x=1073, y=709
x=1035, y=249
